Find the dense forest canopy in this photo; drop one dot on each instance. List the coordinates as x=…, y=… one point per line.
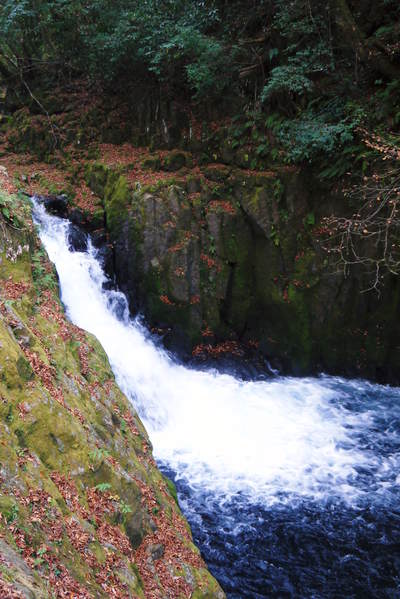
x=309, y=65
x=263, y=48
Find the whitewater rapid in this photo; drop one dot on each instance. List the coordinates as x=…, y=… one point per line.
x=272, y=441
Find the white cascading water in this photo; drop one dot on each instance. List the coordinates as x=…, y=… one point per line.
x=284, y=437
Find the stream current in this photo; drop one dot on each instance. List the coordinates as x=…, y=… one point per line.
x=291, y=486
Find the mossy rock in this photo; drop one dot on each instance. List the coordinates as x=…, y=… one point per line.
x=117, y=198
x=274, y=281
x=24, y=369
x=96, y=176
x=217, y=173
x=152, y=163
x=175, y=160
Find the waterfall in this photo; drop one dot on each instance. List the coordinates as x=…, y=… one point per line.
x=277, y=442
x=264, y=437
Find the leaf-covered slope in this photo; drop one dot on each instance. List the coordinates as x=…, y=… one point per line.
x=84, y=511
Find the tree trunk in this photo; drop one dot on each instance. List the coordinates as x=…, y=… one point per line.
x=368, y=50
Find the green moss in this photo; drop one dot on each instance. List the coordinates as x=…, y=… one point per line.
x=299, y=327
x=24, y=369
x=117, y=197
x=9, y=508
x=27, y=132
x=152, y=163
x=217, y=174
x=96, y=176
x=176, y=160
x=172, y=489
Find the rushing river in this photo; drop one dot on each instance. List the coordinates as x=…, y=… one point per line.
x=291, y=486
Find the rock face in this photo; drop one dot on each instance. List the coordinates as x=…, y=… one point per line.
x=55, y=204
x=234, y=255
x=84, y=511
x=77, y=239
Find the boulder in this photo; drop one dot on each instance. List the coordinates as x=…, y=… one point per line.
x=175, y=160
x=77, y=217
x=56, y=204
x=77, y=239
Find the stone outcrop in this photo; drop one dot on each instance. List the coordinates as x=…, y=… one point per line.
x=232, y=254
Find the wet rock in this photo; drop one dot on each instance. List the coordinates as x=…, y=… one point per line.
x=156, y=551
x=56, y=204
x=76, y=217
x=77, y=239
x=106, y=257
x=99, y=238
x=177, y=341
x=175, y=160
x=135, y=529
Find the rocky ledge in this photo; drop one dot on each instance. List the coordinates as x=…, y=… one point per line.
x=225, y=261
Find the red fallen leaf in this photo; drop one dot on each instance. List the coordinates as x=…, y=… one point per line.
x=221, y=206
x=172, y=535
x=131, y=423
x=13, y=291
x=8, y=591
x=165, y=300
x=23, y=409
x=78, y=537
x=207, y=332
x=101, y=503
x=113, y=462
x=69, y=492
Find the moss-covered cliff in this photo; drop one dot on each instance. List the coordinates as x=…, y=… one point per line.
x=84, y=511
x=226, y=249
x=227, y=255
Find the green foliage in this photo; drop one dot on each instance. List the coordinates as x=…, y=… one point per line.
x=124, y=508
x=308, y=52
x=210, y=59
x=287, y=60
x=98, y=454
x=103, y=487
x=8, y=208
x=166, y=40
x=319, y=132
x=198, y=46
x=13, y=513
x=288, y=78
x=310, y=219
x=41, y=277
x=307, y=138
